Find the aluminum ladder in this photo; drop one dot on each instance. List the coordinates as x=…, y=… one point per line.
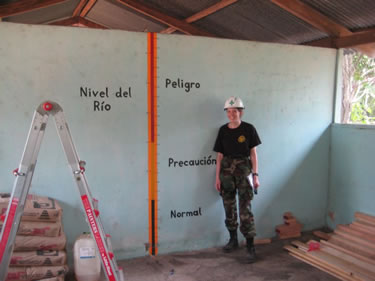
x=24, y=174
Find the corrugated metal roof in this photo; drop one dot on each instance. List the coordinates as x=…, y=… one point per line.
x=48, y=14
x=113, y=14
x=257, y=20
x=180, y=8
x=353, y=14
x=260, y=20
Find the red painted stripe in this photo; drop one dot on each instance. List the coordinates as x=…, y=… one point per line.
x=99, y=241
x=8, y=226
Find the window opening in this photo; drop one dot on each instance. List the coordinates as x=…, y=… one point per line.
x=358, y=88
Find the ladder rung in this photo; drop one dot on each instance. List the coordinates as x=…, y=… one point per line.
x=109, y=242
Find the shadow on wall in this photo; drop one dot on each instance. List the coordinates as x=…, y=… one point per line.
x=76, y=226
x=298, y=185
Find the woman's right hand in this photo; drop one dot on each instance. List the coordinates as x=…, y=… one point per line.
x=218, y=184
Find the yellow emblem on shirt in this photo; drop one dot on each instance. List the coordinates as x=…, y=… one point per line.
x=241, y=139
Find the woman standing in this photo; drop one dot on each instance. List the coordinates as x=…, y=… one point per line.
x=236, y=160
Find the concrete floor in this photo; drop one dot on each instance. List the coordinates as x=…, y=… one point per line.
x=213, y=265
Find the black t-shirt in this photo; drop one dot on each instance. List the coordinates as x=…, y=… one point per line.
x=237, y=142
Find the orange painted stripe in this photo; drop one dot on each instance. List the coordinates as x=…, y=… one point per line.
x=152, y=142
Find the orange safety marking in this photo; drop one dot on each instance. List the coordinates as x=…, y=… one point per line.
x=152, y=142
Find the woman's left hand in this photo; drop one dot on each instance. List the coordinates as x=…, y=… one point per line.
x=256, y=181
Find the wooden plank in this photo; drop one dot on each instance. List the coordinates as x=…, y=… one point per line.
x=23, y=6
x=312, y=16
x=369, y=219
x=348, y=251
x=358, y=240
x=161, y=17
x=356, y=233
x=323, y=268
x=346, y=266
x=364, y=224
x=361, y=264
x=366, y=267
x=342, y=271
x=322, y=235
x=361, y=250
x=204, y=13
x=362, y=227
x=262, y=241
x=300, y=245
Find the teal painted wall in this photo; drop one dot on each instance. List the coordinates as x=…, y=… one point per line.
x=287, y=90
x=352, y=173
x=40, y=63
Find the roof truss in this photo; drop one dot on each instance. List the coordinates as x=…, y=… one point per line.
x=340, y=36
x=204, y=13
x=23, y=6
x=78, y=22
x=83, y=7
x=180, y=25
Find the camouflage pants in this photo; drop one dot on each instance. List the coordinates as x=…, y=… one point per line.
x=234, y=174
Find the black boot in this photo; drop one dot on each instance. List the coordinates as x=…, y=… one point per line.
x=233, y=242
x=251, y=256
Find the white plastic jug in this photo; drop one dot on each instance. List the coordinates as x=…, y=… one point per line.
x=86, y=259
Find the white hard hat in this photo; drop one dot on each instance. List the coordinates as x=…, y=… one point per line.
x=235, y=102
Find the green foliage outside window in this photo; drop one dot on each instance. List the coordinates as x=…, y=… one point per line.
x=358, y=89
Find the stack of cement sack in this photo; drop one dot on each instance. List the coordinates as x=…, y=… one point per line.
x=39, y=248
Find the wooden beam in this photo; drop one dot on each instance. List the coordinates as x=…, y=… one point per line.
x=352, y=246
x=79, y=7
x=87, y=8
x=325, y=24
x=336, y=266
x=161, y=17
x=83, y=7
x=349, y=41
x=356, y=39
x=348, y=251
x=313, y=17
x=78, y=22
x=23, y=6
x=204, y=13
